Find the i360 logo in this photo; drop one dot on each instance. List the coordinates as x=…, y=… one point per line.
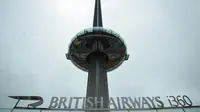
x=116, y=102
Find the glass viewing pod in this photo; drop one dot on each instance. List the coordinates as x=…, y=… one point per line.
x=108, y=41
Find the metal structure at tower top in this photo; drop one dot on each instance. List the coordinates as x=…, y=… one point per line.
x=97, y=22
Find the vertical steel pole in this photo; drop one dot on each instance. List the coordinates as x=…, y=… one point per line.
x=97, y=81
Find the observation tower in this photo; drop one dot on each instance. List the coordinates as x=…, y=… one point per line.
x=97, y=50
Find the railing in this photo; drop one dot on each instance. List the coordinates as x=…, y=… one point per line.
x=93, y=29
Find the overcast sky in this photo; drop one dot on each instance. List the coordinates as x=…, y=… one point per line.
x=162, y=37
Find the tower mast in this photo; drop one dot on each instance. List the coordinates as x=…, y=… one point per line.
x=97, y=87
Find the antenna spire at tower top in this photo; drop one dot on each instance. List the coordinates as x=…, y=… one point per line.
x=97, y=22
